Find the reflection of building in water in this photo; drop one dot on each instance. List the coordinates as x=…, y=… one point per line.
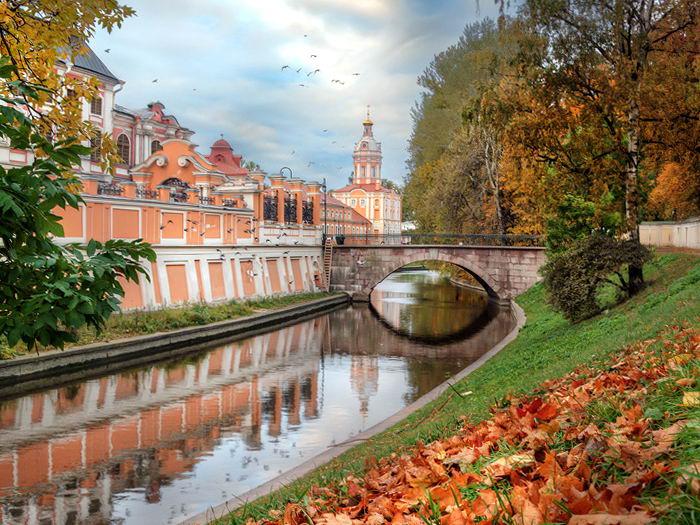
x=50, y=473
x=364, y=378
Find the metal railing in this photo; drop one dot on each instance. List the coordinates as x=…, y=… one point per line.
x=290, y=210
x=452, y=239
x=270, y=208
x=143, y=193
x=105, y=188
x=307, y=212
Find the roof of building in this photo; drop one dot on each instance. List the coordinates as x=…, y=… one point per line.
x=221, y=154
x=221, y=143
x=332, y=201
x=365, y=187
x=91, y=62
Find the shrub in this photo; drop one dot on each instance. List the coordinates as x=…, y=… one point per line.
x=573, y=278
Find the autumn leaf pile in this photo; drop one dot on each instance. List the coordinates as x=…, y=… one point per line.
x=598, y=446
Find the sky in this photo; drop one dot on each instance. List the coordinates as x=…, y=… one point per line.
x=219, y=70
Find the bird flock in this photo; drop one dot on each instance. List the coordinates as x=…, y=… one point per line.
x=309, y=75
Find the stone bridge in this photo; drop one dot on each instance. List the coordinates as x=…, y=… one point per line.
x=503, y=271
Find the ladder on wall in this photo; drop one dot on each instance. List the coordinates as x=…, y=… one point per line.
x=327, y=260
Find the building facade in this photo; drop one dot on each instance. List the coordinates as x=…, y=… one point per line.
x=341, y=220
x=219, y=231
x=366, y=195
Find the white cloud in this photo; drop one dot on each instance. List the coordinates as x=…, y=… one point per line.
x=218, y=68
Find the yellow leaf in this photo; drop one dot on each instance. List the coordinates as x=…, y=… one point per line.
x=691, y=399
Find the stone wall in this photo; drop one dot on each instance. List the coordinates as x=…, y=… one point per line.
x=504, y=272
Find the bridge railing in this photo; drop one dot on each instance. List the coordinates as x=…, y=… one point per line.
x=453, y=239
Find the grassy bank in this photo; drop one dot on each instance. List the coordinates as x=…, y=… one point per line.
x=546, y=348
x=168, y=319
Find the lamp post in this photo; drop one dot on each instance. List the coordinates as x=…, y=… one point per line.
x=325, y=211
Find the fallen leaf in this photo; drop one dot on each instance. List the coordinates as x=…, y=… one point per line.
x=691, y=399
x=685, y=381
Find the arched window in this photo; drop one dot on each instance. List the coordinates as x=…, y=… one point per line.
x=156, y=146
x=124, y=148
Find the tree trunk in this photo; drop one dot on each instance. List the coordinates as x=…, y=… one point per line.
x=635, y=273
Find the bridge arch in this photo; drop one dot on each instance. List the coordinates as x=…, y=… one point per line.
x=483, y=277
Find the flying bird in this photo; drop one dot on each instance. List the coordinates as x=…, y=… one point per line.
x=356, y=74
x=325, y=131
x=309, y=73
x=334, y=142
x=314, y=56
x=294, y=151
x=317, y=71
x=107, y=50
x=154, y=80
x=298, y=70
x=305, y=36
x=302, y=85
x=284, y=67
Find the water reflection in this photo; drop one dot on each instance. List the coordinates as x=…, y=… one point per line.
x=158, y=443
x=425, y=305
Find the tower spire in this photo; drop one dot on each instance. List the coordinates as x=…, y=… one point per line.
x=368, y=120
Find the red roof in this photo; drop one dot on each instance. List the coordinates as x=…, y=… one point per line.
x=222, y=157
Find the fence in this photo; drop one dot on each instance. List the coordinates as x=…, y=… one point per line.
x=451, y=239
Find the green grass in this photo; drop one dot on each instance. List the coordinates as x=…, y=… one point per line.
x=547, y=347
x=168, y=319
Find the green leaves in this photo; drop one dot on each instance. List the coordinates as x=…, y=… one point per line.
x=49, y=291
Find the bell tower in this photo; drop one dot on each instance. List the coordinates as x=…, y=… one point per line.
x=367, y=157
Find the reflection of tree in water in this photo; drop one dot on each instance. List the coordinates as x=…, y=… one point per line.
x=433, y=307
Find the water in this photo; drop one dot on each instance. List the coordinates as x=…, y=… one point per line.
x=159, y=443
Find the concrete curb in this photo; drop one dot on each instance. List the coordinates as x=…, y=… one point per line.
x=33, y=371
x=285, y=479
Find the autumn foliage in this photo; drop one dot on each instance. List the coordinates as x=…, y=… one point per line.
x=601, y=445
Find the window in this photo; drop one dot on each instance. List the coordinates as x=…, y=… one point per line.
x=364, y=145
x=124, y=148
x=354, y=202
x=96, y=147
x=363, y=171
x=96, y=106
x=156, y=146
x=362, y=202
x=374, y=172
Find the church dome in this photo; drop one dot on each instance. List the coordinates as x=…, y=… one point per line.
x=221, y=144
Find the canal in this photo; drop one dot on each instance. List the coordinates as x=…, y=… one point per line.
x=159, y=443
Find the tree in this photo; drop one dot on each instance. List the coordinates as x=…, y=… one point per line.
x=47, y=291
x=676, y=194
x=574, y=278
x=390, y=184
x=40, y=37
x=588, y=81
x=252, y=166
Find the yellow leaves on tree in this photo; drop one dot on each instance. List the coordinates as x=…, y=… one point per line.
x=676, y=194
x=41, y=37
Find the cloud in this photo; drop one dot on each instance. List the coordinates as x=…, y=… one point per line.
x=218, y=64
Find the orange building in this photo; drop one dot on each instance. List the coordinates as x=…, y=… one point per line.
x=343, y=220
x=366, y=195
x=219, y=231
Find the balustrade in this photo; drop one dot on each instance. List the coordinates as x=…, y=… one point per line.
x=106, y=188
